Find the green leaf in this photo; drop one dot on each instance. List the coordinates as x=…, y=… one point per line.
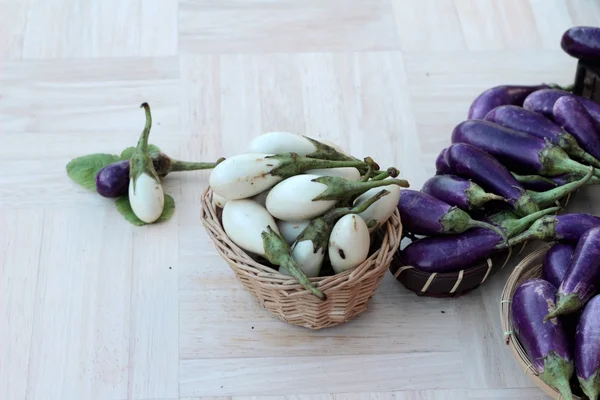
x=83, y=170
x=125, y=209
x=128, y=152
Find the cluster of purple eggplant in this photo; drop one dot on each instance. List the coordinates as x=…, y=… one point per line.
x=521, y=151
x=557, y=317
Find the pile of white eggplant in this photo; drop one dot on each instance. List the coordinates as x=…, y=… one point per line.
x=303, y=205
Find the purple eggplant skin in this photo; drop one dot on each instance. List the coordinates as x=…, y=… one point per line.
x=520, y=152
x=565, y=228
x=113, y=180
x=556, y=262
x=582, y=279
x=542, y=102
x=586, y=350
x=500, y=95
x=469, y=162
x=423, y=214
x=546, y=343
x=441, y=167
x=582, y=42
x=522, y=120
x=573, y=116
x=459, y=192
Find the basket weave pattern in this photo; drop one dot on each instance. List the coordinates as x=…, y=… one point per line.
x=530, y=267
x=347, y=293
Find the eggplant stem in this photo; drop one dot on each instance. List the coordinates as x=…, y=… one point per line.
x=142, y=144
x=178, y=165
x=340, y=188
x=549, y=197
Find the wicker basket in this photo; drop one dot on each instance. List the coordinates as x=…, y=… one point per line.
x=530, y=267
x=347, y=293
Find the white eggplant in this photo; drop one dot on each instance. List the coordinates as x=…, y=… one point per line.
x=352, y=174
x=307, y=258
x=219, y=201
x=292, y=199
x=291, y=230
x=281, y=142
x=349, y=243
x=377, y=215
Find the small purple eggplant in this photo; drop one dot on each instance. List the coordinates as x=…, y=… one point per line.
x=519, y=151
x=587, y=349
x=522, y=120
x=113, y=180
x=498, y=96
x=556, y=262
x=575, y=119
x=542, y=102
x=566, y=228
x=546, y=343
x=423, y=214
x=441, y=166
x=472, y=163
x=459, y=192
x=582, y=42
x=582, y=279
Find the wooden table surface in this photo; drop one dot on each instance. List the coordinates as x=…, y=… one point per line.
x=94, y=308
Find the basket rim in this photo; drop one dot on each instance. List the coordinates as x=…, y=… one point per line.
x=531, y=261
x=379, y=260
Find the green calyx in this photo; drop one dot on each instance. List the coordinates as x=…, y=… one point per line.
x=557, y=373
x=513, y=225
x=141, y=162
x=543, y=228
x=591, y=386
x=525, y=205
x=549, y=197
x=341, y=189
x=555, y=161
x=291, y=164
x=326, y=152
x=278, y=252
x=565, y=304
x=479, y=197
x=458, y=221
x=532, y=179
x=572, y=148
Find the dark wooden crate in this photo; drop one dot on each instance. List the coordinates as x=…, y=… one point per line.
x=587, y=80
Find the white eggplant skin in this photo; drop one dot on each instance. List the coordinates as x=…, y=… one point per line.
x=244, y=220
x=349, y=243
x=261, y=198
x=291, y=230
x=219, y=201
x=382, y=209
x=243, y=176
x=148, y=199
x=349, y=173
x=292, y=199
x=309, y=262
x=281, y=142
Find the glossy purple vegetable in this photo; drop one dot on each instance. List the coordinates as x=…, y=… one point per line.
x=423, y=214
x=522, y=120
x=582, y=279
x=546, y=343
x=542, y=102
x=556, y=262
x=113, y=180
x=582, y=42
x=459, y=192
x=586, y=351
x=573, y=117
x=519, y=151
x=472, y=163
x=441, y=166
x=566, y=228
x=498, y=96
x=451, y=253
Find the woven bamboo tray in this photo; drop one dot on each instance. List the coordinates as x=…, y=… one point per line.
x=348, y=293
x=529, y=267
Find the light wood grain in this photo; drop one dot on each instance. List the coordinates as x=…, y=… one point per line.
x=94, y=308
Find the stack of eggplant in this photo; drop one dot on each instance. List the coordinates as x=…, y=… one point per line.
x=522, y=149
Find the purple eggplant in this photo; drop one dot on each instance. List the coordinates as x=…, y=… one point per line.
x=423, y=214
x=556, y=262
x=522, y=120
x=472, y=163
x=586, y=351
x=550, y=197
x=546, y=343
x=451, y=253
x=113, y=180
x=542, y=102
x=582, y=42
x=566, y=228
x=574, y=117
x=519, y=151
x=582, y=280
x=498, y=96
x=441, y=167
x=459, y=192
